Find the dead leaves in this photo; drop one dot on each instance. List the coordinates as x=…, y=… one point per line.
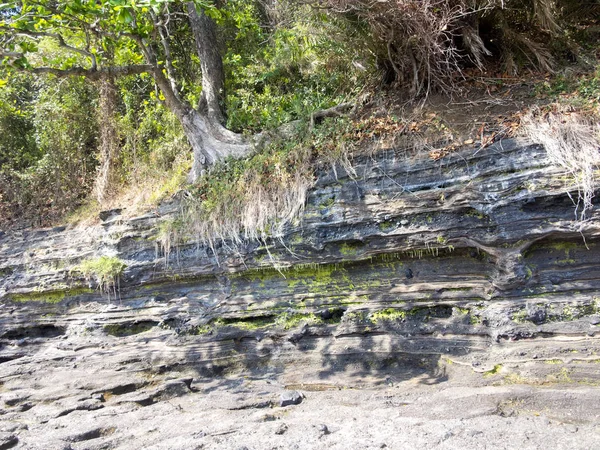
x=503, y=127
x=378, y=126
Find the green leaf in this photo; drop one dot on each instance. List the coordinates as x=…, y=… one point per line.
x=213, y=13
x=125, y=16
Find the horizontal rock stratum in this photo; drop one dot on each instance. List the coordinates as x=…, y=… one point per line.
x=443, y=299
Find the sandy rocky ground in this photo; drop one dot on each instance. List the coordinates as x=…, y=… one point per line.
x=130, y=393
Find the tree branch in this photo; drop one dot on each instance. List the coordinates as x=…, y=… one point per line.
x=39, y=34
x=164, y=39
x=87, y=45
x=11, y=55
x=116, y=71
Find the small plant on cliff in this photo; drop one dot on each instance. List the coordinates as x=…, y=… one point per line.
x=106, y=271
x=169, y=234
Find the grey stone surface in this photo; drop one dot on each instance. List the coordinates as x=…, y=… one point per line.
x=289, y=398
x=447, y=304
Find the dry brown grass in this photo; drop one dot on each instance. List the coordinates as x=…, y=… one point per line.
x=145, y=190
x=572, y=141
x=255, y=203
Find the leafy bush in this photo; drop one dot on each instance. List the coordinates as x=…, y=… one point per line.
x=18, y=149
x=288, y=62
x=155, y=154
x=53, y=167
x=424, y=45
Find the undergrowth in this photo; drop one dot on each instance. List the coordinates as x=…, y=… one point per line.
x=169, y=233
x=257, y=197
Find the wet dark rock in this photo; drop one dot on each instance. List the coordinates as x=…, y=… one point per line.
x=172, y=389
x=323, y=430
x=109, y=214
x=289, y=398
x=91, y=434
x=252, y=404
x=8, y=441
x=471, y=268
x=537, y=317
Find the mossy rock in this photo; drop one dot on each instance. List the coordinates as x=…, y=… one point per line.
x=54, y=297
x=129, y=329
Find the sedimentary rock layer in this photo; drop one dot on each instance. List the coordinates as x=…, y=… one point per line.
x=405, y=266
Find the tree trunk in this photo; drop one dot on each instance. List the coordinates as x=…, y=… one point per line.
x=209, y=146
x=209, y=139
x=109, y=140
x=213, y=75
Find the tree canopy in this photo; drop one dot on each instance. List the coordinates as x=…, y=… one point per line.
x=103, y=40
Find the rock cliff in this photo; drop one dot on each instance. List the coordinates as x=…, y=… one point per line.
x=471, y=269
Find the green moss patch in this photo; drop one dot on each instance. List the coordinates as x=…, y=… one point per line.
x=388, y=315
x=129, y=329
x=494, y=371
x=287, y=321
x=106, y=270
x=48, y=296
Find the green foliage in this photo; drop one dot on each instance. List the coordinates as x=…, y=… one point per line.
x=91, y=38
x=18, y=149
x=155, y=153
x=589, y=87
x=66, y=131
x=49, y=167
x=279, y=72
x=283, y=61
x=575, y=88
x=116, y=24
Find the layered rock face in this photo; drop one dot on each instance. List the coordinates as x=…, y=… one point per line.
x=472, y=268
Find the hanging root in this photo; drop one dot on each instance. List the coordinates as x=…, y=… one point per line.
x=572, y=142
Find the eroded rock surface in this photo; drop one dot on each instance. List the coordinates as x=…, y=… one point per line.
x=419, y=303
